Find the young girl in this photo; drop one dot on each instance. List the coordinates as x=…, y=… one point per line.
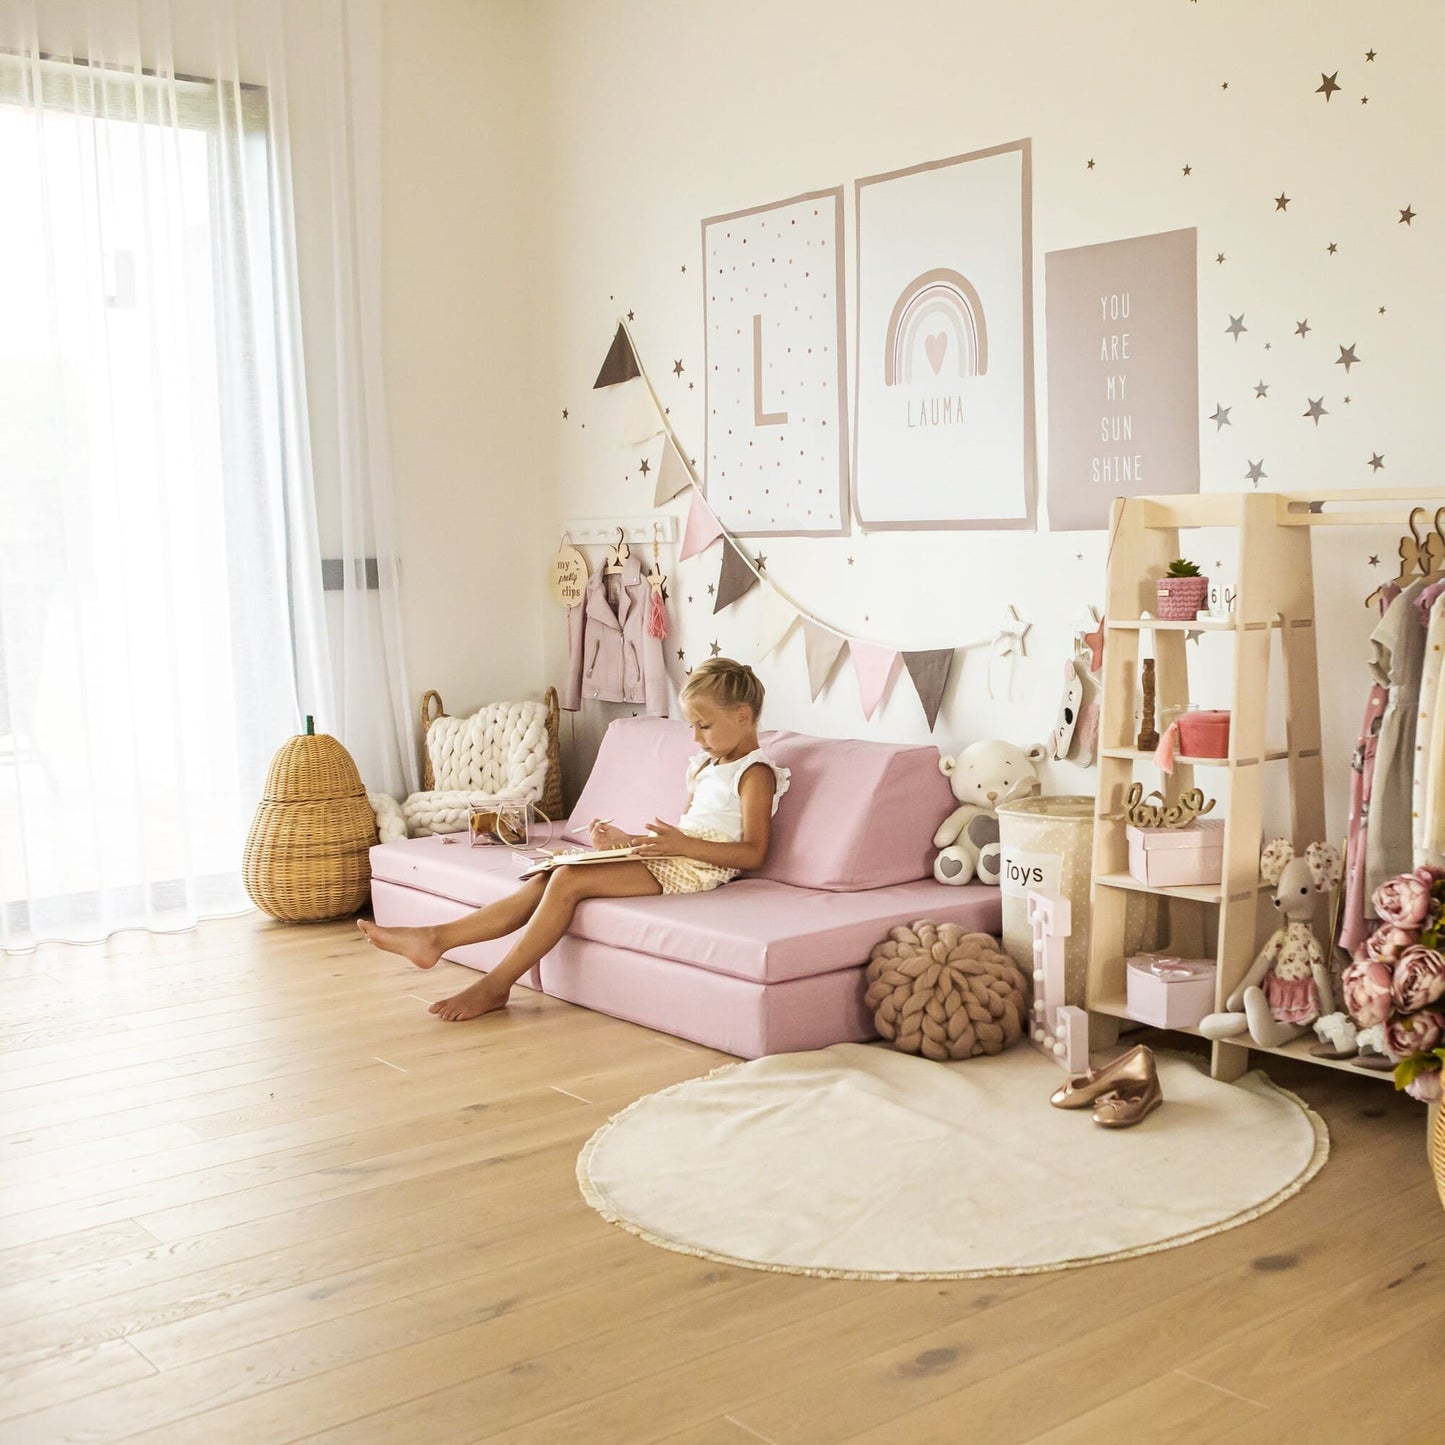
x=732, y=793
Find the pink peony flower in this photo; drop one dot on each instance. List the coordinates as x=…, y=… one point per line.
x=1419, y=978
x=1414, y=1033
x=1388, y=942
x=1426, y=1087
x=1404, y=901
x=1367, y=992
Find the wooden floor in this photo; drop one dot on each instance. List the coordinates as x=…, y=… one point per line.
x=251, y=1191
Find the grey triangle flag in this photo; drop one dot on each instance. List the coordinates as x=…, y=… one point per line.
x=929, y=671
x=735, y=578
x=823, y=649
x=672, y=474
x=621, y=363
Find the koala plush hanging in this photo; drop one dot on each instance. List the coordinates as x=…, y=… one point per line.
x=982, y=776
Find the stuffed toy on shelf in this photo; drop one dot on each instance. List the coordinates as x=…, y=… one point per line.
x=1289, y=985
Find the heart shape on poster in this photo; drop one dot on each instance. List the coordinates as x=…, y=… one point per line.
x=935, y=346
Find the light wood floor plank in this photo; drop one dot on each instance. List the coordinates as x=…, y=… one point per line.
x=222, y=1219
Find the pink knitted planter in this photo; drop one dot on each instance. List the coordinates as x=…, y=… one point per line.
x=1181, y=598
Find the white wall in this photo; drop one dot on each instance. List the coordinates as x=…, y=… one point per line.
x=468, y=322
x=662, y=113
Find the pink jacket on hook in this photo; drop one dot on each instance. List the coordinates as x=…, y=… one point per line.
x=610, y=657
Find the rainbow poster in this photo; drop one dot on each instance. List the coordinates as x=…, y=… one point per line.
x=944, y=431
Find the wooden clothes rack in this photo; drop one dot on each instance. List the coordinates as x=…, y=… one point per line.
x=1274, y=598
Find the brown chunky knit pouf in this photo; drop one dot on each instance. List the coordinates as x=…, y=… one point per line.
x=938, y=991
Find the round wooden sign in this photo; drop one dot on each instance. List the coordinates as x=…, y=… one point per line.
x=568, y=575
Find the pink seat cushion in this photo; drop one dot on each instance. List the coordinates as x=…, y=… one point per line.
x=753, y=928
x=858, y=815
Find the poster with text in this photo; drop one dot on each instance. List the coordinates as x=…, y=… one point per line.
x=1123, y=343
x=777, y=406
x=944, y=364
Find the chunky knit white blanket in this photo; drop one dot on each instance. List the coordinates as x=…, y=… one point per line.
x=499, y=751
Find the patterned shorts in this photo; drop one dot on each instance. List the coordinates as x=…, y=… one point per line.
x=687, y=875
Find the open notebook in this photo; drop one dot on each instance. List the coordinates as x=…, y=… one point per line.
x=561, y=860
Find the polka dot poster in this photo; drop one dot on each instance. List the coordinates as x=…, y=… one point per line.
x=777, y=424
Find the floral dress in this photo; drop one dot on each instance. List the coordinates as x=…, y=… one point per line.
x=1290, y=983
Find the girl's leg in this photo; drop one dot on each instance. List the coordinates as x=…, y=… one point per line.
x=423, y=946
x=566, y=888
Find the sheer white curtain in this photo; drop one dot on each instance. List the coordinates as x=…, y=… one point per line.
x=166, y=501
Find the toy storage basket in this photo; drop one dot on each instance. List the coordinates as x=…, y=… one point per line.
x=550, y=802
x=308, y=852
x=1047, y=846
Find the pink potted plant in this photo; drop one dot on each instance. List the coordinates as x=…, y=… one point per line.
x=1182, y=592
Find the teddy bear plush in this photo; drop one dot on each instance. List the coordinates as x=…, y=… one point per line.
x=1289, y=985
x=982, y=776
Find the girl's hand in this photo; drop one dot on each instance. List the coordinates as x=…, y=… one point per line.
x=604, y=835
x=667, y=840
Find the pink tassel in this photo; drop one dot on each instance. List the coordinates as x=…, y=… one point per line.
x=1164, y=753
x=657, y=616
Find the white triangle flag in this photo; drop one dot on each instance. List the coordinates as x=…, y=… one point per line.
x=776, y=616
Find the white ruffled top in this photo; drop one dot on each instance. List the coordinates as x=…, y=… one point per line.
x=716, y=806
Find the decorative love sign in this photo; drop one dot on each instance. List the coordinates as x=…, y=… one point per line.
x=568, y=575
x=1144, y=814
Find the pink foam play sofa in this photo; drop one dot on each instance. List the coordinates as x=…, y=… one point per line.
x=769, y=963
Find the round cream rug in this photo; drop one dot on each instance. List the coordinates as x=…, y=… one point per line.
x=861, y=1162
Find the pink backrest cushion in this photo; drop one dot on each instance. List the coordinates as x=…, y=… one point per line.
x=857, y=814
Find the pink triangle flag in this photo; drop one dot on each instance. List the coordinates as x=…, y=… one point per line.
x=703, y=529
x=876, y=668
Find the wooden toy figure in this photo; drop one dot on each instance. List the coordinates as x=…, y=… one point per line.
x=1288, y=986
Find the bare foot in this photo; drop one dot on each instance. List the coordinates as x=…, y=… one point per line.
x=471, y=1003
x=420, y=946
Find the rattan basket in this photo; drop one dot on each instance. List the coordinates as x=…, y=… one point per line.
x=550, y=802
x=307, y=855
x=1437, y=1149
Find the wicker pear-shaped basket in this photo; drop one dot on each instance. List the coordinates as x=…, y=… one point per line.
x=307, y=855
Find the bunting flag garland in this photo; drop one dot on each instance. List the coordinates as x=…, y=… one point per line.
x=876, y=668
x=672, y=474
x=736, y=577
x=929, y=671
x=776, y=616
x=703, y=529
x=621, y=363
x=823, y=648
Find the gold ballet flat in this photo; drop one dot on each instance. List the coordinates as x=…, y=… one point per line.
x=1126, y=1107
x=1134, y=1067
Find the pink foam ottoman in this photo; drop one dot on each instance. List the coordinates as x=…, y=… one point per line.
x=770, y=963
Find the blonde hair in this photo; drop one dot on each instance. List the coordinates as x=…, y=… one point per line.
x=727, y=683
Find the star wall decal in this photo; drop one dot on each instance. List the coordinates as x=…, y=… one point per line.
x=1281, y=202
x=1327, y=86
x=645, y=467
x=850, y=561
x=1316, y=410
x=1192, y=634
x=1382, y=311
x=1256, y=473
x=1090, y=166
x=1219, y=259
x=1347, y=357
x=1332, y=248
x=760, y=562
x=1377, y=460
x=1369, y=55
x=1009, y=639
x=1236, y=325
x=677, y=367
x=1224, y=85
x=681, y=656
x=1364, y=100
x=1221, y=417
x=711, y=589
x=564, y=413
x=716, y=650
x=1188, y=170
x=1406, y=216
x=1260, y=389
x=1302, y=328
x=632, y=316
x=684, y=270
x=1374, y=559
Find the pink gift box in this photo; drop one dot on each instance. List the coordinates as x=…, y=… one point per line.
x=1170, y=993
x=1178, y=857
